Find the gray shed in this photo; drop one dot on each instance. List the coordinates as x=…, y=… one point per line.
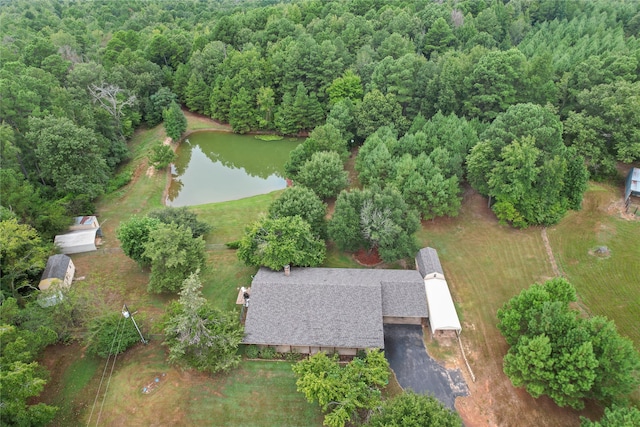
x=428, y=264
x=59, y=271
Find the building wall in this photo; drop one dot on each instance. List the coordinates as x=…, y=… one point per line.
x=402, y=320
x=68, y=277
x=47, y=283
x=285, y=348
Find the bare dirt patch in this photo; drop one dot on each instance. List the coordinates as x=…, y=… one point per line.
x=367, y=258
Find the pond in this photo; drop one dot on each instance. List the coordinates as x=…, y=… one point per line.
x=217, y=167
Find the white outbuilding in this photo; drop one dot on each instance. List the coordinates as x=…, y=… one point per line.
x=81, y=237
x=443, y=317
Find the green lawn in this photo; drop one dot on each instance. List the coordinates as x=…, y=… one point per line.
x=74, y=381
x=256, y=394
x=609, y=284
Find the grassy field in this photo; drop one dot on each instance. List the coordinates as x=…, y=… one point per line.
x=608, y=284
x=485, y=265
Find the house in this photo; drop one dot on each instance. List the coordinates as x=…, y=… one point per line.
x=81, y=236
x=59, y=272
x=339, y=310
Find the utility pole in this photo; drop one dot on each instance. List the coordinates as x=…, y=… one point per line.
x=127, y=314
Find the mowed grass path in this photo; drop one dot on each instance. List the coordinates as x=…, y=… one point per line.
x=608, y=285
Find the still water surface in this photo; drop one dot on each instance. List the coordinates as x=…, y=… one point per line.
x=217, y=167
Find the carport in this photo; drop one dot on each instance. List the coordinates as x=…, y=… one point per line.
x=416, y=370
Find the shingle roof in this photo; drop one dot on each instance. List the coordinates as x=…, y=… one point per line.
x=427, y=262
x=331, y=307
x=56, y=267
x=308, y=315
x=404, y=299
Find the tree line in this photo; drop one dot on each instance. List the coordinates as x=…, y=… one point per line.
x=77, y=79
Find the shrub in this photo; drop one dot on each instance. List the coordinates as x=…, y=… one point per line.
x=252, y=351
x=119, y=181
x=233, y=245
x=268, y=353
x=111, y=334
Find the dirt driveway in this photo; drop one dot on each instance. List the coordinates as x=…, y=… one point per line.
x=416, y=370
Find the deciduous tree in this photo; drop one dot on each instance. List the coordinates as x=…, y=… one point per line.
x=162, y=155
x=409, y=409
x=133, y=235
x=181, y=216
x=302, y=201
x=174, y=255
x=23, y=255
x=69, y=156
x=522, y=162
x=342, y=391
x=276, y=242
x=111, y=334
x=556, y=353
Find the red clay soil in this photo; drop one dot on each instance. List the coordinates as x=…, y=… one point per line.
x=367, y=258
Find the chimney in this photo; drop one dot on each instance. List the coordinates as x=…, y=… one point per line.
x=287, y=270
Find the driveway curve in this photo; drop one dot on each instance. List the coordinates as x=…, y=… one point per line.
x=416, y=370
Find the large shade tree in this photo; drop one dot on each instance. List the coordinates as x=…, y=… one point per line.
x=69, y=156
x=304, y=202
x=522, y=164
x=22, y=378
x=276, y=242
x=174, y=255
x=23, y=256
x=133, y=235
x=555, y=352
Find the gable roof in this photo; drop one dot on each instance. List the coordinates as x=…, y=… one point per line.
x=330, y=307
x=404, y=299
x=428, y=262
x=77, y=241
x=321, y=316
x=56, y=268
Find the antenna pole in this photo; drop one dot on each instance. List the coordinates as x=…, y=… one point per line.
x=127, y=314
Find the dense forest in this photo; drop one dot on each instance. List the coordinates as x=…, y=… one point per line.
x=79, y=77
x=524, y=100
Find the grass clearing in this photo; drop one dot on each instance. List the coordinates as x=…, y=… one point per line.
x=485, y=264
x=229, y=219
x=255, y=394
x=607, y=284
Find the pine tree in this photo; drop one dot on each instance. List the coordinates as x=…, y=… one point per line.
x=175, y=123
